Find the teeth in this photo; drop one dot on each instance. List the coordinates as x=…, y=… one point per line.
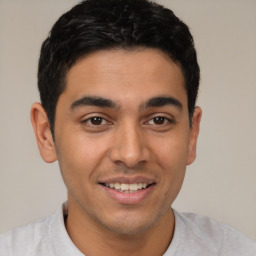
x=126, y=188
x=117, y=186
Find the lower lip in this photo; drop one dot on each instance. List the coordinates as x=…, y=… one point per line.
x=128, y=198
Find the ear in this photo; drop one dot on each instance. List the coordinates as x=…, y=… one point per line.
x=43, y=133
x=194, y=131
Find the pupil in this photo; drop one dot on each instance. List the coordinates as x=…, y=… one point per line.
x=159, y=120
x=96, y=120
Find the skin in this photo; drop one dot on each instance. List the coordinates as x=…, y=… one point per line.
x=126, y=141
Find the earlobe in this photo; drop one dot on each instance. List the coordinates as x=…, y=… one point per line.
x=43, y=133
x=194, y=131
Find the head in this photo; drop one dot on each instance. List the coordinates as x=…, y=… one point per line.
x=118, y=81
x=115, y=24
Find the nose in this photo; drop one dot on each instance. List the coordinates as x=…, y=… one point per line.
x=129, y=147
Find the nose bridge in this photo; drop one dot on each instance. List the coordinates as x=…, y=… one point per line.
x=129, y=145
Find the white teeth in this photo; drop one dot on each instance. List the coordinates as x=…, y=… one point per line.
x=117, y=186
x=134, y=187
x=126, y=188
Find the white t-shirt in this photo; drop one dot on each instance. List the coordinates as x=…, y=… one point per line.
x=194, y=236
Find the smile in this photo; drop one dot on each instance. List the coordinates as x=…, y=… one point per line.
x=127, y=188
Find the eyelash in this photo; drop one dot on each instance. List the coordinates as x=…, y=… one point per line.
x=165, y=120
x=104, y=121
x=94, y=117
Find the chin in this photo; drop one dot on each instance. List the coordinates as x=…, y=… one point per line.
x=130, y=224
x=128, y=229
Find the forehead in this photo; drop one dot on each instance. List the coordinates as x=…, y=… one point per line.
x=125, y=74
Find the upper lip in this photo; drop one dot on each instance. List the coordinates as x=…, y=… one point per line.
x=128, y=180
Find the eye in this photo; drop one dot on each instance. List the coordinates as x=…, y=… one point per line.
x=159, y=120
x=95, y=121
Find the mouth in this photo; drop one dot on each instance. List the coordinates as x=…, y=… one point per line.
x=128, y=190
x=126, y=187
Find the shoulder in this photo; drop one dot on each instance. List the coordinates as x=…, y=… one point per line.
x=217, y=237
x=27, y=240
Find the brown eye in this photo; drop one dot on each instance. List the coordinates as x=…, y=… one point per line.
x=159, y=120
x=95, y=124
x=96, y=120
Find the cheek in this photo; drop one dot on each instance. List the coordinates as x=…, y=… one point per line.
x=172, y=157
x=79, y=156
x=172, y=152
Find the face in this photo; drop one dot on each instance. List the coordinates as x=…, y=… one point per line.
x=122, y=137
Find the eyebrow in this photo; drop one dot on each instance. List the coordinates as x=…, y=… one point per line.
x=162, y=101
x=93, y=101
x=107, y=103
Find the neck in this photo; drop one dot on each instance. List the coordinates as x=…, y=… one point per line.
x=93, y=239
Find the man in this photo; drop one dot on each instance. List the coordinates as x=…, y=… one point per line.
x=118, y=82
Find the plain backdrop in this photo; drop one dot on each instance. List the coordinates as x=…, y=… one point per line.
x=220, y=184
